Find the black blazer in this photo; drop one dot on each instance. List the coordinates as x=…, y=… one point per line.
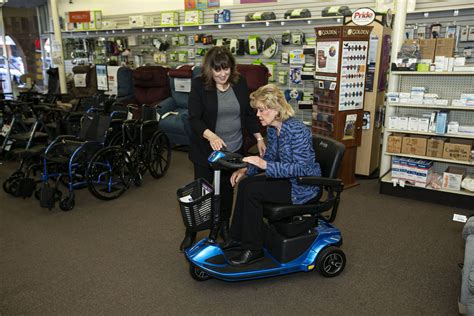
x=202, y=111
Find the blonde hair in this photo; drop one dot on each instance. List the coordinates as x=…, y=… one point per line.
x=272, y=98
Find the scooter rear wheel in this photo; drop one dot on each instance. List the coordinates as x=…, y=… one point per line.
x=331, y=261
x=198, y=274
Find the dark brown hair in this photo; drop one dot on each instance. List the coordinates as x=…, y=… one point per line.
x=217, y=58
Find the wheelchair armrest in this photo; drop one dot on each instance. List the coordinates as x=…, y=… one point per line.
x=328, y=182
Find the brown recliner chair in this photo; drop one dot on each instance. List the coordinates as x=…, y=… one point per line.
x=256, y=76
x=150, y=87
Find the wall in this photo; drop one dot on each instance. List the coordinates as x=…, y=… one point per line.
x=110, y=7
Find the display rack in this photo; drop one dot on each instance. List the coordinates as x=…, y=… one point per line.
x=448, y=85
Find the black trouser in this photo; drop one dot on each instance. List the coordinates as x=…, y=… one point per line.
x=226, y=190
x=253, y=192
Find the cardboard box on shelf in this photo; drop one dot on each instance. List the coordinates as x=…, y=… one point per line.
x=427, y=48
x=394, y=144
x=459, y=149
x=452, y=178
x=435, y=147
x=414, y=145
x=445, y=47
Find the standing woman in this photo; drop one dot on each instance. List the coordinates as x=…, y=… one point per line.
x=219, y=111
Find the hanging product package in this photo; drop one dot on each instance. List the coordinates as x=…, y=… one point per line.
x=254, y=45
x=270, y=47
x=260, y=16
x=297, y=14
x=336, y=11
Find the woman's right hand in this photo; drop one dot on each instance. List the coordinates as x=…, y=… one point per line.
x=237, y=176
x=216, y=142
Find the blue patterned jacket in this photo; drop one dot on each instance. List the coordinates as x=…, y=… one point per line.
x=297, y=158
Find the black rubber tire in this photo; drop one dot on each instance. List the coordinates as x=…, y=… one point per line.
x=112, y=163
x=9, y=184
x=159, y=155
x=67, y=204
x=330, y=261
x=197, y=274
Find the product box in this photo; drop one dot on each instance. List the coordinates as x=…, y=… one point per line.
x=427, y=48
x=459, y=150
x=413, y=123
x=96, y=20
x=414, y=146
x=404, y=95
x=396, y=167
x=466, y=129
x=423, y=171
x=423, y=124
x=140, y=21
x=441, y=102
x=453, y=128
x=452, y=178
x=441, y=122
x=169, y=18
x=441, y=63
x=435, y=147
x=394, y=144
x=393, y=122
x=393, y=99
x=193, y=17
x=402, y=123
x=445, y=47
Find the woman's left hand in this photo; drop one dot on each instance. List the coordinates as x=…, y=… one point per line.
x=256, y=161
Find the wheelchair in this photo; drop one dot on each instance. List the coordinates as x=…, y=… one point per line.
x=143, y=147
x=65, y=159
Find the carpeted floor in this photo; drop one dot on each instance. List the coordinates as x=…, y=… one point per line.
x=121, y=257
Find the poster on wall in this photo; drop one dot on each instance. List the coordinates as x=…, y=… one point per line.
x=327, y=56
x=189, y=4
x=213, y=3
x=256, y=1
x=201, y=4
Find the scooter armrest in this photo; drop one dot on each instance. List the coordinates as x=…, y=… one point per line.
x=320, y=181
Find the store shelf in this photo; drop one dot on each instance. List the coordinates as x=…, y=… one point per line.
x=467, y=136
x=433, y=106
x=433, y=73
x=181, y=27
x=388, y=179
x=468, y=163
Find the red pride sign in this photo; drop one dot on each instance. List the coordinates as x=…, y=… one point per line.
x=79, y=16
x=363, y=16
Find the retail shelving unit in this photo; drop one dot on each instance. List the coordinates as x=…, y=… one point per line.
x=448, y=85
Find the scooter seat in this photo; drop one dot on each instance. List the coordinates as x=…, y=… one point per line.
x=276, y=212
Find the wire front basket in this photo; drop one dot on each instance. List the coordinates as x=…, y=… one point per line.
x=196, y=201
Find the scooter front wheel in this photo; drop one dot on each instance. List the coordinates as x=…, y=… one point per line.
x=331, y=261
x=198, y=274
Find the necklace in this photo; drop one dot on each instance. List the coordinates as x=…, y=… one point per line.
x=223, y=88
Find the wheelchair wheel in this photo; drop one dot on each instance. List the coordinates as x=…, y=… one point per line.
x=198, y=274
x=331, y=261
x=159, y=155
x=108, y=175
x=67, y=204
x=10, y=185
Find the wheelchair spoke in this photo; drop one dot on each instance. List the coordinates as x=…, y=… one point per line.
x=159, y=153
x=108, y=174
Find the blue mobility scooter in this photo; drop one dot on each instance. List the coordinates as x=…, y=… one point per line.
x=297, y=237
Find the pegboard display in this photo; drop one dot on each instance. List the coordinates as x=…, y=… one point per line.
x=446, y=86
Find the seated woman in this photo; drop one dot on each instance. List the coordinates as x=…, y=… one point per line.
x=289, y=154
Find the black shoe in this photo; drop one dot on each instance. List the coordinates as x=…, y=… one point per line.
x=246, y=257
x=230, y=244
x=224, y=231
x=188, y=240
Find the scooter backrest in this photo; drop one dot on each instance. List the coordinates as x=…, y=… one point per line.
x=329, y=153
